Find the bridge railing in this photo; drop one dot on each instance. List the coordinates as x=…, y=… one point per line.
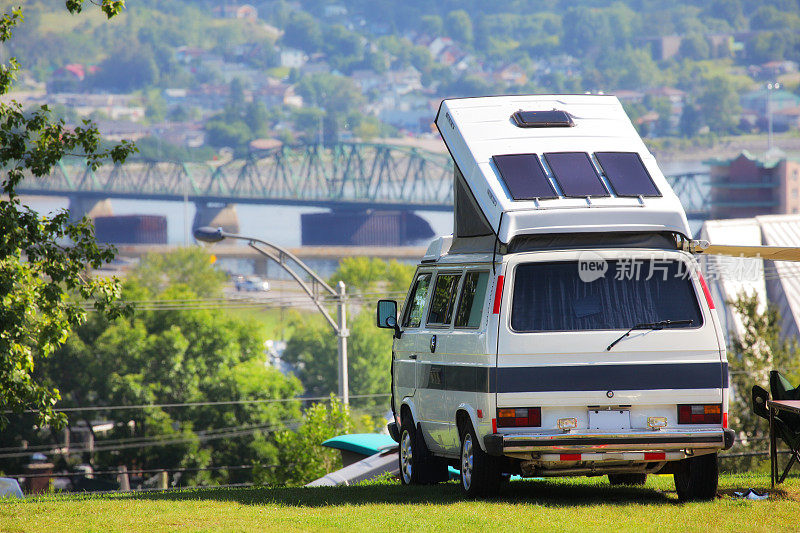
x=373, y=175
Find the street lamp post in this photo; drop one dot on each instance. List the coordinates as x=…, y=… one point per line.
x=315, y=290
x=770, y=87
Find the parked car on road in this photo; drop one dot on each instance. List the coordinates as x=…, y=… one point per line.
x=251, y=284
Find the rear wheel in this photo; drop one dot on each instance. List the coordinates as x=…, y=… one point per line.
x=627, y=479
x=697, y=477
x=480, y=472
x=417, y=465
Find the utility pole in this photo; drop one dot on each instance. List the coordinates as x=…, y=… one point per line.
x=343, y=333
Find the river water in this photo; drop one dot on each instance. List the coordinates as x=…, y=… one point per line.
x=277, y=224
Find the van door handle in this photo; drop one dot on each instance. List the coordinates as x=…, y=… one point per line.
x=412, y=356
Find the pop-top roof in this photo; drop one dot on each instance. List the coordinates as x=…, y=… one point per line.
x=553, y=164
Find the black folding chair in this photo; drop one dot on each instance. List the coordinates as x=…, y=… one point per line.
x=787, y=425
x=760, y=399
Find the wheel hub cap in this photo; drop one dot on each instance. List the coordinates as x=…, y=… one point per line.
x=406, y=455
x=466, y=462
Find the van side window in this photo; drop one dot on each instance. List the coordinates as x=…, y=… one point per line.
x=413, y=316
x=444, y=295
x=470, y=307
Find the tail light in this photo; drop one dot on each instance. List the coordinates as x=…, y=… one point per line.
x=519, y=417
x=700, y=413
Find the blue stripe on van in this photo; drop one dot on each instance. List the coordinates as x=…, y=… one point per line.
x=475, y=378
x=612, y=377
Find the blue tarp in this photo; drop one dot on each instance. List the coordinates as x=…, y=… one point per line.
x=363, y=443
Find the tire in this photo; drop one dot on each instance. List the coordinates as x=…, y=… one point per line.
x=417, y=465
x=480, y=472
x=697, y=477
x=627, y=479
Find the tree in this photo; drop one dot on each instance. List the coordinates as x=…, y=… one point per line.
x=303, y=32
x=164, y=356
x=220, y=133
x=752, y=355
x=43, y=281
x=297, y=456
x=719, y=103
x=127, y=69
x=336, y=95
x=431, y=25
x=460, y=26
x=312, y=349
x=308, y=122
x=691, y=121
x=728, y=10
x=694, y=46
x=191, y=267
x=364, y=274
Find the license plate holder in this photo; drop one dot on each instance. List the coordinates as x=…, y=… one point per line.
x=609, y=420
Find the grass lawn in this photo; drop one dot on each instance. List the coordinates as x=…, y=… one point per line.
x=272, y=324
x=564, y=504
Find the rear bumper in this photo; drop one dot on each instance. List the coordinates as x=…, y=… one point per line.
x=644, y=440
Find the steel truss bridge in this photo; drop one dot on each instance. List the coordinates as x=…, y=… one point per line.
x=345, y=175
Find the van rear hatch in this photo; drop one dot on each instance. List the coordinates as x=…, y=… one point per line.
x=628, y=332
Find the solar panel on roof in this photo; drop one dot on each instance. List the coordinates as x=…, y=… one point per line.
x=575, y=174
x=542, y=119
x=627, y=174
x=524, y=176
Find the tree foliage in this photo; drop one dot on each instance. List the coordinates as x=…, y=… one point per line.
x=127, y=70
x=365, y=274
x=313, y=351
x=43, y=260
x=190, y=267
x=297, y=456
x=163, y=356
x=758, y=350
x=719, y=102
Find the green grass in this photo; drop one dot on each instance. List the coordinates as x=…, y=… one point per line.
x=556, y=505
x=270, y=322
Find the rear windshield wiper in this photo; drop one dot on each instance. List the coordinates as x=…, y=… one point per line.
x=650, y=325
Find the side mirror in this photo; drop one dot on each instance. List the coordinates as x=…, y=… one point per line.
x=387, y=316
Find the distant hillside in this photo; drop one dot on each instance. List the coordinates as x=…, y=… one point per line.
x=231, y=72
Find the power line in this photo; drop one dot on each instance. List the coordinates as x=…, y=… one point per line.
x=243, y=302
x=144, y=438
x=154, y=440
x=201, y=404
x=147, y=444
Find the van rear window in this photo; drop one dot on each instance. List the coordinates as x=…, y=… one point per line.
x=557, y=296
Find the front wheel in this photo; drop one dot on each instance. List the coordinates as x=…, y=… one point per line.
x=409, y=460
x=480, y=472
x=417, y=465
x=697, y=477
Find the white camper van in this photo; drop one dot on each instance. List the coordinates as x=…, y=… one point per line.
x=564, y=328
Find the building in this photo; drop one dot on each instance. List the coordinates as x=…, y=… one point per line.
x=748, y=186
x=763, y=100
x=773, y=282
x=292, y=58
x=236, y=11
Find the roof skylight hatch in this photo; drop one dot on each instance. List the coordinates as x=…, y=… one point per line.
x=542, y=119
